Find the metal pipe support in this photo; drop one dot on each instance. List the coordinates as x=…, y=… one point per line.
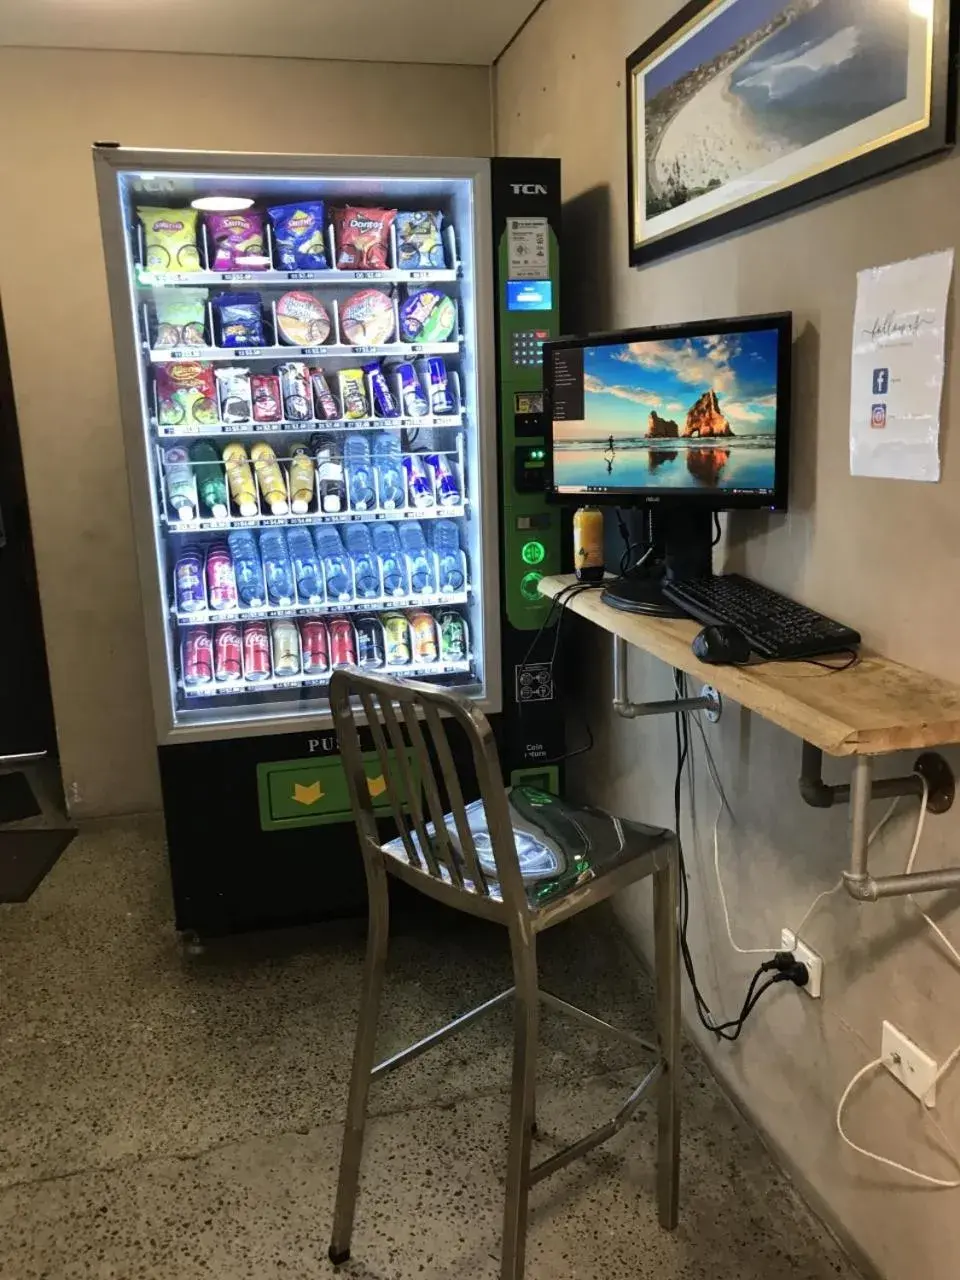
x=668, y=706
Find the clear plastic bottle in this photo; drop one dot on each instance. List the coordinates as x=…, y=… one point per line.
x=445, y=541
x=181, y=483
x=333, y=558
x=330, y=486
x=420, y=562
x=247, y=568
x=277, y=567
x=359, y=470
x=306, y=566
x=366, y=573
x=387, y=459
x=392, y=566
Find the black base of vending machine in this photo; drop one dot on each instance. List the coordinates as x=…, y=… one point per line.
x=259, y=828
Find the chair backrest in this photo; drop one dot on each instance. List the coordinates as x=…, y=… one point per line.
x=407, y=722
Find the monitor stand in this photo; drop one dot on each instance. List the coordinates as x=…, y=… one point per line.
x=682, y=548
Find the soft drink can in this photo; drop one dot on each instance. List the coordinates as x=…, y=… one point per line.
x=267, y=403
x=196, y=656
x=256, y=651
x=188, y=581
x=295, y=391
x=441, y=402
x=448, y=492
x=453, y=638
x=425, y=647
x=286, y=647
x=221, y=579
x=369, y=643
x=397, y=646
x=343, y=649
x=418, y=482
x=588, y=544
x=228, y=652
x=315, y=644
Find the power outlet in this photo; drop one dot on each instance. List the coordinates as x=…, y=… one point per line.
x=908, y=1063
x=814, y=962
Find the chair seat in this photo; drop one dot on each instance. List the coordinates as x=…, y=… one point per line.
x=560, y=845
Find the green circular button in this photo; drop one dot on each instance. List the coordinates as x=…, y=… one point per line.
x=529, y=584
x=533, y=552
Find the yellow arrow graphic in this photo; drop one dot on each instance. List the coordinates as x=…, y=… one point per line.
x=307, y=795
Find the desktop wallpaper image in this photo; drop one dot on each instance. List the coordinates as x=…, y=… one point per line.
x=677, y=413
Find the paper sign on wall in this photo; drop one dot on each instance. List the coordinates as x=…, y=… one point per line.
x=896, y=384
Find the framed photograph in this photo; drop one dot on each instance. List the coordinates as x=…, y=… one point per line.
x=740, y=110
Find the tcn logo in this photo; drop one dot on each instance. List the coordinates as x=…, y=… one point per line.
x=529, y=189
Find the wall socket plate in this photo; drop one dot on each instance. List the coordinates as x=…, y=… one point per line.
x=908, y=1063
x=814, y=962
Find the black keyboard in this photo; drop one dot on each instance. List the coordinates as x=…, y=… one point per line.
x=774, y=626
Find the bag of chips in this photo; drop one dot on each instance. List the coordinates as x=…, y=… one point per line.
x=186, y=394
x=363, y=238
x=299, y=232
x=427, y=316
x=367, y=319
x=181, y=316
x=240, y=321
x=170, y=239
x=237, y=241
x=419, y=244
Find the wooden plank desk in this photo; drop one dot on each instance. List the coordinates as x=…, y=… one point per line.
x=876, y=707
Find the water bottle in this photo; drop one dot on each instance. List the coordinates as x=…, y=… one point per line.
x=336, y=568
x=389, y=466
x=247, y=568
x=445, y=541
x=419, y=558
x=356, y=463
x=366, y=574
x=277, y=567
x=387, y=546
x=306, y=566
x=330, y=486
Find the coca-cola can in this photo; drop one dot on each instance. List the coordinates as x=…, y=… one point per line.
x=228, y=652
x=256, y=651
x=315, y=644
x=196, y=656
x=343, y=645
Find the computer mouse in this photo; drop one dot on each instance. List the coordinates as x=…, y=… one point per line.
x=721, y=642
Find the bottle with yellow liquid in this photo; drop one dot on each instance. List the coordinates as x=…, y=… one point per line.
x=301, y=479
x=588, y=544
x=240, y=479
x=270, y=478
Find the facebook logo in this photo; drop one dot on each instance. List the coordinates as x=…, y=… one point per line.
x=881, y=382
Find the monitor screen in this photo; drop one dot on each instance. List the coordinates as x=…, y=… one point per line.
x=673, y=413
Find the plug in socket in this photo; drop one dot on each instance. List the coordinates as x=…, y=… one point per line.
x=790, y=942
x=908, y=1063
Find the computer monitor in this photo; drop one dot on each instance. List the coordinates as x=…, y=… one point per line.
x=685, y=419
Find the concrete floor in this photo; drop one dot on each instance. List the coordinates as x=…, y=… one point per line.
x=165, y=1116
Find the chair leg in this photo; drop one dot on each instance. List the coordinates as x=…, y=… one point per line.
x=363, y=1061
x=522, y=1103
x=667, y=964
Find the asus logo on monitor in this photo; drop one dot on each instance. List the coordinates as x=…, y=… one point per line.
x=529, y=189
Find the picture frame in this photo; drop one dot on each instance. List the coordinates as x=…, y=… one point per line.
x=742, y=110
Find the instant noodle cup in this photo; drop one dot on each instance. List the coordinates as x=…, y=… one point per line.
x=367, y=319
x=302, y=320
x=170, y=239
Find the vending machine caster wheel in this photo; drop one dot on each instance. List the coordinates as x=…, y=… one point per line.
x=338, y=1259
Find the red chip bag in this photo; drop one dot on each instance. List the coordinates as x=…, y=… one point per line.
x=363, y=238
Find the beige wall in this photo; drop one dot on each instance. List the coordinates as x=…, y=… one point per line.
x=880, y=554
x=54, y=104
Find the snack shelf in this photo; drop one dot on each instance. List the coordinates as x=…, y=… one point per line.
x=278, y=683
x=309, y=425
x=200, y=279
x=210, y=617
x=173, y=355
x=203, y=525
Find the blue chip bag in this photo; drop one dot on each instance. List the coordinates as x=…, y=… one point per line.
x=240, y=320
x=299, y=231
x=419, y=244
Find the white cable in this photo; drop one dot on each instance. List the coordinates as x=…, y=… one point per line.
x=879, y=1062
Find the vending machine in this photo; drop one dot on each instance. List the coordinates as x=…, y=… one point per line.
x=329, y=372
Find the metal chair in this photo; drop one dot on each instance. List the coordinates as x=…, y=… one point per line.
x=526, y=860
